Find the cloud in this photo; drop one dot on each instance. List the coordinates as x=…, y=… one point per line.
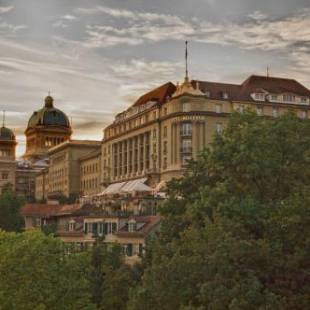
x=6, y=9
x=64, y=21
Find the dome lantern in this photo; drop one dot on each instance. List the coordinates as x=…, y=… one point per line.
x=49, y=102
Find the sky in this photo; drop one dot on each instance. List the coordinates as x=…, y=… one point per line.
x=98, y=56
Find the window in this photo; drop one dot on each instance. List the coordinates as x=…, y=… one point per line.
x=241, y=108
x=132, y=226
x=304, y=114
x=185, y=107
x=259, y=111
x=218, y=108
x=259, y=96
x=165, y=163
x=72, y=225
x=5, y=175
x=186, y=129
x=225, y=95
x=165, y=147
x=165, y=111
x=165, y=132
x=186, y=159
x=154, y=115
x=275, y=112
x=274, y=97
x=187, y=145
x=288, y=98
x=154, y=133
x=304, y=100
x=219, y=128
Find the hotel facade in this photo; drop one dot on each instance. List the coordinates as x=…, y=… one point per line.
x=166, y=127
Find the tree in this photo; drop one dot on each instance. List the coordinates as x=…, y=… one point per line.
x=10, y=204
x=236, y=228
x=110, y=278
x=36, y=272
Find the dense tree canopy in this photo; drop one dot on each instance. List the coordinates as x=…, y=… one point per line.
x=235, y=235
x=236, y=228
x=10, y=204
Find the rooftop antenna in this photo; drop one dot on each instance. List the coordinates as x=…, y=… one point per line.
x=268, y=71
x=186, y=62
x=3, y=118
x=49, y=92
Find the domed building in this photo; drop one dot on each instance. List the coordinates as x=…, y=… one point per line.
x=46, y=128
x=7, y=157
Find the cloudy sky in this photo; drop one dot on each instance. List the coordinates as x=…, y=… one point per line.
x=97, y=56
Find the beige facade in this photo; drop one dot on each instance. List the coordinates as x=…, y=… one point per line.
x=90, y=176
x=170, y=125
x=41, y=185
x=64, y=168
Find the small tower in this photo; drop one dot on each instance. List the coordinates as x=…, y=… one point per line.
x=7, y=156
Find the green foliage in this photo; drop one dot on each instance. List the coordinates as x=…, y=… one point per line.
x=110, y=278
x=10, y=204
x=236, y=229
x=36, y=273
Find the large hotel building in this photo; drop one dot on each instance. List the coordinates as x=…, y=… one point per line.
x=164, y=128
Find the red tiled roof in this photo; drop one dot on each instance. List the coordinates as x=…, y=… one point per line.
x=48, y=210
x=158, y=94
x=254, y=83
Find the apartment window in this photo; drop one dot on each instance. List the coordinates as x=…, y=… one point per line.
x=288, y=98
x=218, y=108
x=225, y=95
x=132, y=226
x=304, y=100
x=219, y=128
x=165, y=132
x=154, y=133
x=186, y=107
x=304, y=114
x=260, y=96
x=72, y=225
x=275, y=112
x=5, y=175
x=259, y=111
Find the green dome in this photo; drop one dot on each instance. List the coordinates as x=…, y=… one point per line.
x=6, y=134
x=48, y=116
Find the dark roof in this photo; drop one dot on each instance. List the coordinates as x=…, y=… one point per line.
x=48, y=210
x=6, y=134
x=150, y=222
x=48, y=116
x=158, y=94
x=251, y=85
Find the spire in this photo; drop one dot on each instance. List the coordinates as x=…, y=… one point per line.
x=186, y=62
x=3, y=118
